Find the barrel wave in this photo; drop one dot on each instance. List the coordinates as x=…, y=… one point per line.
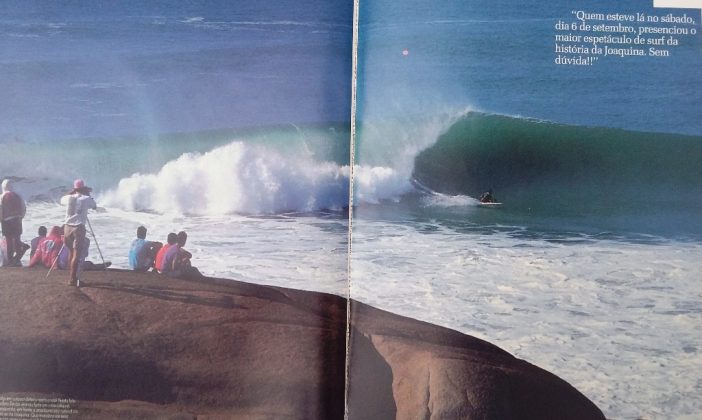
x=537, y=165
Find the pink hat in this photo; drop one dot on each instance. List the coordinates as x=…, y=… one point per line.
x=78, y=184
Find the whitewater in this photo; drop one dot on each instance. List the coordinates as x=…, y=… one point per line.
x=614, y=318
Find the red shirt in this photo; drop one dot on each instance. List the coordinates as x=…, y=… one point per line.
x=159, y=257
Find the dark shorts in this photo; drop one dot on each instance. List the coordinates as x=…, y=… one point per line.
x=74, y=236
x=12, y=227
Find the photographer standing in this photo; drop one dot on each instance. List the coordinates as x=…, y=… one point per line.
x=77, y=203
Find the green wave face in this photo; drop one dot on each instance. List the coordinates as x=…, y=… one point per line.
x=546, y=167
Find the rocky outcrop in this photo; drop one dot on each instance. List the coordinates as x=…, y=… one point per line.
x=142, y=346
x=422, y=371
x=140, y=343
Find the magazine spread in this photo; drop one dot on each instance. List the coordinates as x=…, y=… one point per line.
x=322, y=210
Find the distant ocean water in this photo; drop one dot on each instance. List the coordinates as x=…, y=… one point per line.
x=149, y=68
x=590, y=268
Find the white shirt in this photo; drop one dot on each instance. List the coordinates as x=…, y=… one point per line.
x=77, y=208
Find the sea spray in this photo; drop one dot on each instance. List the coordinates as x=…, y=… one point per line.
x=236, y=178
x=44, y=169
x=261, y=176
x=252, y=179
x=268, y=170
x=387, y=151
x=374, y=184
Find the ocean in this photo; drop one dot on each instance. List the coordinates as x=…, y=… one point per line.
x=590, y=268
x=232, y=122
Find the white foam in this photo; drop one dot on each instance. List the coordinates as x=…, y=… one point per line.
x=617, y=320
x=236, y=178
x=373, y=184
x=444, y=200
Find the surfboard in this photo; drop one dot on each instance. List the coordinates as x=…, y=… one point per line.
x=490, y=204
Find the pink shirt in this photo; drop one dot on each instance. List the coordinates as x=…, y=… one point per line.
x=169, y=257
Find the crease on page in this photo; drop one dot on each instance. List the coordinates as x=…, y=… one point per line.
x=352, y=154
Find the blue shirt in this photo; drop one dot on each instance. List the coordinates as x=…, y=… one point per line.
x=134, y=252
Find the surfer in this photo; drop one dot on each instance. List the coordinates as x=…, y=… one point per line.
x=487, y=197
